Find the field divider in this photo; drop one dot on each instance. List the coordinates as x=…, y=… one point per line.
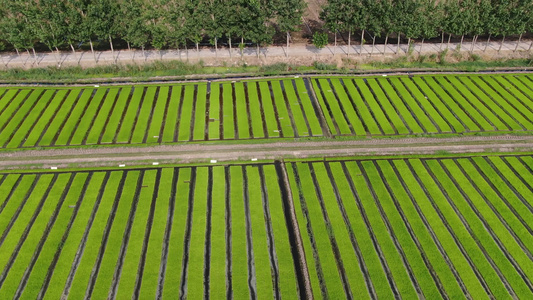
x=121, y=122
x=43, y=130
x=432, y=89
x=467, y=99
x=187, y=240
x=353, y=240
x=309, y=227
x=207, y=251
x=489, y=229
x=429, y=229
x=316, y=106
x=271, y=246
x=10, y=194
x=47, y=125
x=16, y=109
x=126, y=238
x=525, y=182
x=193, y=113
x=503, y=109
x=248, y=111
x=377, y=247
x=495, y=82
x=293, y=83
x=148, y=124
x=470, y=231
x=389, y=120
x=137, y=114
x=20, y=207
x=207, y=112
x=81, y=247
x=424, y=110
x=24, y=117
x=65, y=236
x=249, y=239
x=388, y=225
x=341, y=105
x=504, y=200
x=261, y=106
x=434, y=106
x=450, y=230
x=413, y=236
x=289, y=110
x=221, y=111
x=276, y=113
x=332, y=239
x=65, y=120
x=47, y=230
x=26, y=231
x=406, y=104
x=168, y=229
x=228, y=235
x=103, y=244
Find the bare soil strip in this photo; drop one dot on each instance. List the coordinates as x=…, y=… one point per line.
x=186, y=153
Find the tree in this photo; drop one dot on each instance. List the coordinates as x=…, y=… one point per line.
x=428, y=18
x=134, y=25
x=288, y=16
x=17, y=26
x=196, y=12
x=49, y=24
x=102, y=16
x=331, y=16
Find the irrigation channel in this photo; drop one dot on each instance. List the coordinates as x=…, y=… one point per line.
x=450, y=227
x=255, y=110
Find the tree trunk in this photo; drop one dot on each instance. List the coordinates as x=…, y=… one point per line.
x=58, y=55
x=408, y=45
x=112, y=49
x=449, y=39
x=373, y=44
x=421, y=45
x=20, y=57
x=473, y=44
x=74, y=50
x=144, y=54
x=28, y=51
x=161, y=54
x=362, y=42
x=131, y=52
x=441, y=41
x=398, y=46
x=518, y=43
x=385, y=46
x=230, y=48
x=501, y=44
x=287, y=53
x=461, y=44
x=197, y=50
x=92, y=50
x=34, y=56
x=530, y=46
x=349, y=42
x=257, y=50
x=242, y=47
x=216, y=47
x=487, y=44
x=335, y=47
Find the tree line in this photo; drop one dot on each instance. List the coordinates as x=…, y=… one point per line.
x=178, y=24
x=427, y=19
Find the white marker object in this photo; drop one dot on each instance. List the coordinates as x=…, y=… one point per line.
x=254, y=159
x=155, y=163
x=121, y=166
x=213, y=161
x=53, y=168
x=96, y=85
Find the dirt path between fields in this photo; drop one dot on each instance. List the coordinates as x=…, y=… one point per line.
x=204, y=153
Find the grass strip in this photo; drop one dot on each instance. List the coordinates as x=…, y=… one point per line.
x=172, y=278
x=152, y=264
x=262, y=260
x=217, y=277
x=53, y=242
x=238, y=236
x=195, y=276
x=92, y=245
x=128, y=277
x=457, y=260
x=70, y=247
x=126, y=127
x=26, y=252
x=96, y=130
x=288, y=285
x=391, y=255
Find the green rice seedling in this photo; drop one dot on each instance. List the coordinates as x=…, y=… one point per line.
x=7, y=215
x=268, y=109
x=307, y=106
x=255, y=110
x=241, y=101
x=227, y=110
x=516, y=87
x=352, y=115
x=170, y=130
x=214, y=112
x=217, y=269
x=388, y=108
x=115, y=116
x=508, y=92
x=6, y=187
x=285, y=120
x=239, y=255
x=104, y=114
x=200, y=114
x=159, y=110
x=145, y=113
x=334, y=105
x=86, y=120
x=362, y=108
x=7, y=99
x=375, y=108
x=126, y=126
x=12, y=107
x=20, y=119
x=296, y=109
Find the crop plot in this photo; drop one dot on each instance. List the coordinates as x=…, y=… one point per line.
x=437, y=228
x=188, y=231
x=423, y=104
x=441, y=228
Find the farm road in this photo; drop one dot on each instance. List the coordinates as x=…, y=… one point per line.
x=203, y=153
x=86, y=59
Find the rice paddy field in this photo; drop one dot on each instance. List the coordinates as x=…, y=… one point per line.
x=279, y=108
x=451, y=227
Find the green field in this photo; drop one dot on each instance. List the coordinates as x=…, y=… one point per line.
x=244, y=110
x=370, y=228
